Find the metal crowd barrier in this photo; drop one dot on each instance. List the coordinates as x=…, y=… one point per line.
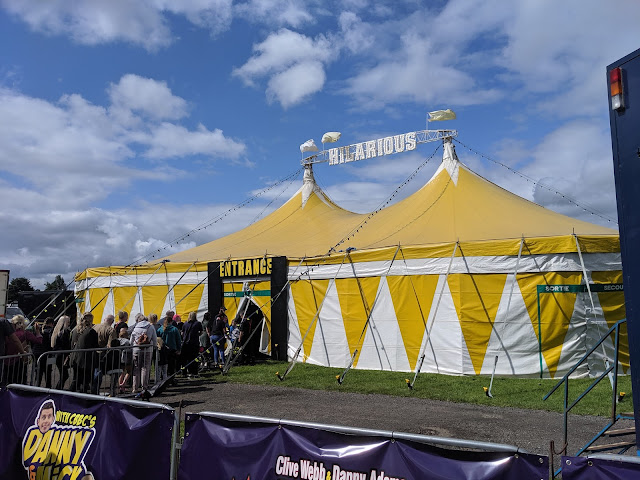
x=101, y=371
x=18, y=368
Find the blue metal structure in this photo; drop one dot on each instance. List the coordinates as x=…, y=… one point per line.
x=624, y=118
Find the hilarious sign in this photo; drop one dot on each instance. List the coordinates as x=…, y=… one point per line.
x=373, y=148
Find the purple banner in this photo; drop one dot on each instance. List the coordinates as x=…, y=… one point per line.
x=48, y=436
x=236, y=450
x=598, y=468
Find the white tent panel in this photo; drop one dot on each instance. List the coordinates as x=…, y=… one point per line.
x=513, y=337
x=295, y=335
x=330, y=346
x=138, y=305
x=170, y=303
x=383, y=347
x=109, y=307
x=442, y=354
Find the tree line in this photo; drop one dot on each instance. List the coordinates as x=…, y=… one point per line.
x=23, y=284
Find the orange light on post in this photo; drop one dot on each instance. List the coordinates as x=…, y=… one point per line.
x=615, y=88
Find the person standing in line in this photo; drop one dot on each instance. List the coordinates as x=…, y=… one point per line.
x=191, y=343
x=105, y=331
x=153, y=320
x=84, y=363
x=27, y=339
x=40, y=349
x=61, y=340
x=126, y=360
x=173, y=341
x=218, y=330
x=144, y=340
x=123, y=319
x=7, y=337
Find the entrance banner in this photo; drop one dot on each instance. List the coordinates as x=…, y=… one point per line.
x=254, y=449
x=585, y=468
x=47, y=435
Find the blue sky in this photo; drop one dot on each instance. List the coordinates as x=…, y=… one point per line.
x=124, y=125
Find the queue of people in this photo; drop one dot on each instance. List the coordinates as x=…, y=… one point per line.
x=174, y=344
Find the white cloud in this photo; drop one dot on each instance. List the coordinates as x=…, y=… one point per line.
x=169, y=141
x=92, y=23
x=147, y=96
x=295, y=84
x=275, y=12
x=293, y=62
x=59, y=160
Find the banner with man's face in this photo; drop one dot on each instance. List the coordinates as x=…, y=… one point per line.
x=63, y=437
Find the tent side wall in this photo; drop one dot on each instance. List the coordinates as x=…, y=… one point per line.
x=459, y=311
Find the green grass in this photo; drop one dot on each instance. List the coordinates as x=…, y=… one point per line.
x=507, y=392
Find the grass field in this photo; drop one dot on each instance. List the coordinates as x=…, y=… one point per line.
x=507, y=392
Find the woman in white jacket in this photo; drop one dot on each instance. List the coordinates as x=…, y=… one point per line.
x=144, y=340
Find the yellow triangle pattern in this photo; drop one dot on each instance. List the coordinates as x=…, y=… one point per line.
x=98, y=299
x=477, y=298
x=307, y=297
x=407, y=307
x=190, y=303
x=124, y=298
x=556, y=310
x=612, y=304
x=354, y=314
x=153, y=298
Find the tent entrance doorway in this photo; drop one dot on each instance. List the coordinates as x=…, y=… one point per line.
x=266, y=289
x=249, y=310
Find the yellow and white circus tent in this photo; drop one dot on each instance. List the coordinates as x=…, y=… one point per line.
x=459, y=272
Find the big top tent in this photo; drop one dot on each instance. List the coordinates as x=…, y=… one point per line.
x=451, y=278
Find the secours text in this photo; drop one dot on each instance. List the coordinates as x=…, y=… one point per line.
x=373, y=148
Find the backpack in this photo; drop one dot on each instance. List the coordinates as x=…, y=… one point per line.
x=143, y=339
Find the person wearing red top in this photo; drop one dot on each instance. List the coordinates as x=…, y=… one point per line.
x=18, y=367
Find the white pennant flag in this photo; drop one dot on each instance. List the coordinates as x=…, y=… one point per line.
x=331, y=137
x=447, y=114
x=308, y=146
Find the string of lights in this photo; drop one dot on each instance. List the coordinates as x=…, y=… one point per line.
x=354, y=231
x=213, y=221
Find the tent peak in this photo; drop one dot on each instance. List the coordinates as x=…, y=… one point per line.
x=308, y=184
x=450, y=162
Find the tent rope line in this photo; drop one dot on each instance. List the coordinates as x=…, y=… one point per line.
x=139, y=289
x=369, y=312
x=171, y=287
x=380, y=207
x=410, y=384
x=313, y=320
x=444, y=189
x=315, y=303
x=570, y=199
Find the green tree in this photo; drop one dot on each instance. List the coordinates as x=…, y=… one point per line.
x=18, y=284
x=57, y=284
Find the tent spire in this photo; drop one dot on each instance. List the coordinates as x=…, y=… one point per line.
x=308, y=183
x=450, y=160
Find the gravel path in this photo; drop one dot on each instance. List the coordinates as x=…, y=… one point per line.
x=530, y=430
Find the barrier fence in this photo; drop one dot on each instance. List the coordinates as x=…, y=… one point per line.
x=57, y=435
x=261, y=448
x=107, y=371
x=50, y=434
